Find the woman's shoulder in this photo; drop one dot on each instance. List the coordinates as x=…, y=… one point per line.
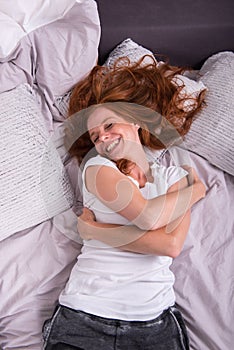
x=170, y=174
x=99, y=160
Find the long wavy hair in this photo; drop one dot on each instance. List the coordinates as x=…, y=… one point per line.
x=140, y=91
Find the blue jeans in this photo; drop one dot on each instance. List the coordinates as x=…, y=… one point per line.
x=76, y=330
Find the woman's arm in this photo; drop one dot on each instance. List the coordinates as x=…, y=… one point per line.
x=119, y=193
x=167, y=241
x=131, y=238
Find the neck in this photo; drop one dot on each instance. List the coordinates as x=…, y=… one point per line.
x=138, y=156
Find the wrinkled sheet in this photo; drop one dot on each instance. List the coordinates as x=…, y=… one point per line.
x=35, y=263
x=205, y=269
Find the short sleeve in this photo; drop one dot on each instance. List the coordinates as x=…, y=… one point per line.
x=174, y=174
x=170, y=175
x=98, y=160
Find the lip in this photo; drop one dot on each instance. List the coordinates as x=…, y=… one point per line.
x=112, y=145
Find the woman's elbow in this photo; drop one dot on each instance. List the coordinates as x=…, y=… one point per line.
x=174, y=248
x=148, y=223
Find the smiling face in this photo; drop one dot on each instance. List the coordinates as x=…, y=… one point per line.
x=113, y=136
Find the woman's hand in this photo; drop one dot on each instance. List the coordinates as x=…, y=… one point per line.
x=83, y=222
x=193, y=179
x=192, y=176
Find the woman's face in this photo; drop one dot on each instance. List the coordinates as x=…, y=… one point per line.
x=112, y=136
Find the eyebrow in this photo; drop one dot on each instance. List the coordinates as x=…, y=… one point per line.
x=103, y=122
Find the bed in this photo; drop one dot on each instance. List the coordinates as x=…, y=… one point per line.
x=45, y=48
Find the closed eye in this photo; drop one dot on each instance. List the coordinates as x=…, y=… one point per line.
x=95, y=137
x=108, y=126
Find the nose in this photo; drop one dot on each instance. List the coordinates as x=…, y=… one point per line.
x=103, y=136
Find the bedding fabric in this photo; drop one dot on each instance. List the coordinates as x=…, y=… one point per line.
x=211, y=134
x=35, y=261
x=204, y=270
x=134, y=52
x=24, y=17
x=49, y=60
x=34, y=267
x=33, y=179
x=50, y=48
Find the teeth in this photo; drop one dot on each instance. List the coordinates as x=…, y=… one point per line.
x=112, y=145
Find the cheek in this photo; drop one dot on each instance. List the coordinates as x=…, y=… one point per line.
x=99, y=148
x=133, y=135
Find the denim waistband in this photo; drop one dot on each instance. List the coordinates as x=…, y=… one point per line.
x=117, y=322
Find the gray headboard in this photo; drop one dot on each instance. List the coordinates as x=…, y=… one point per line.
x=186, y=31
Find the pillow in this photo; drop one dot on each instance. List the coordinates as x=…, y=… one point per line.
x=10, y=34
x=211, y=134
x=62, y=104
x=33, y=181
x=24, y=16
x=134, y=52
x=128, y=48
x=67, y=49
x=60, y=50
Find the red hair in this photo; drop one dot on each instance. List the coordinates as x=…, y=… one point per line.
x=141, y=83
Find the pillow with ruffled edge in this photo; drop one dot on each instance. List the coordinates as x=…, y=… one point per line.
x=211, y=134
x=34, y=183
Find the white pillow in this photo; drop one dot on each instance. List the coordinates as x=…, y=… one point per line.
x=211, y=135
x=20, y=17
x=33, y=181
x=10, y=34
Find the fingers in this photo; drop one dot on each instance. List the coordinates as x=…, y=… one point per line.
x=87, y=215
x=192, y=174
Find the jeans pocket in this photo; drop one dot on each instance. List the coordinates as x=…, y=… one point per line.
x=47, y=326
x=179, y=321
x=46, y=329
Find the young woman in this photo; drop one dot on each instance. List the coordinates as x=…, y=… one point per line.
x=117, y=298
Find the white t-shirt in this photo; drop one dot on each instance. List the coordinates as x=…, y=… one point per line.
x=113, y=283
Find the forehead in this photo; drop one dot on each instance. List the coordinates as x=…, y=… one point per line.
x=103, y=115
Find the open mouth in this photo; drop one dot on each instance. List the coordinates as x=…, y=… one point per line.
x=112, y=145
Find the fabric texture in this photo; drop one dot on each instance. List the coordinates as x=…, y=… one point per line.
x=35, y=263
x=24, y=17
x=46, y=63
x=54, y=57
x=133, y=51
x=75, y=330
x=128, y=48
x=34, y=266
x=104, y=278
x=206, y=263
x=211, y=134
x=34, y=184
